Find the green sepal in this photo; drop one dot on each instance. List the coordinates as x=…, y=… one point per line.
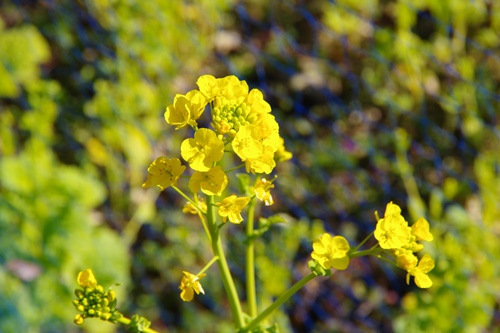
x=317, y=269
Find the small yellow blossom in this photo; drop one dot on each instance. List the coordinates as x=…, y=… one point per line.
x=421, y=230
x=86, y=279
x=331, y=252
x=190, y=284
x=261, y=190
x=164, y=172
x=186, y=109
x=425, y=265
x=202, y=151
x=231, y=207
x=212, y=182
x=392, y=231
x=265, y=163
x=247, y=144
x=189, y=208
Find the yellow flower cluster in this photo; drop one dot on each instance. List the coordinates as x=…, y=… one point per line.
x=394, y=234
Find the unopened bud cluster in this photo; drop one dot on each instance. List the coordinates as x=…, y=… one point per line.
x=96, y=303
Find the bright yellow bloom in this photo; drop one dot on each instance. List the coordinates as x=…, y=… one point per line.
x=247, y=144
x=282, y=155
x=231, y=207
x=212, y=182
x=190, y=284
x=86, y=279
x=425, y=265
x=265, y=163
x=203, y=150
x=421, y=230
x=164, y=172
x=392, y=231
x=186, y=109
x=261, y=190
x=331, y=252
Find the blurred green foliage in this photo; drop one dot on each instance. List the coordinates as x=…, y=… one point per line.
x=379, y=101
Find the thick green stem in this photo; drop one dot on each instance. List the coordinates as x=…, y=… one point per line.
x=250, y=262
x=282, y=299
x=227, y=279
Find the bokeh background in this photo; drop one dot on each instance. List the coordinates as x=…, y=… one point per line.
x=378, y=101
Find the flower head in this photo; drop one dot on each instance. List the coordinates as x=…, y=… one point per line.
x=86, y=279
x=425, y=265
x=262, y=191
x=421, y=230
x=392, y=231
x=202, y=151
x=190, y=284
x=212, y=182
x=186, y=109
x=164, y=172
x=231, y=207
x=331, y=252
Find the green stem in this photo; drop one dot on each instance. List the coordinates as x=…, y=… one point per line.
x=207, y=266
x=250, y=261
x=235, y=168
x=227, y=279
x=282, y=299
x=126, y=321
x=363, y=242
x=201, y=213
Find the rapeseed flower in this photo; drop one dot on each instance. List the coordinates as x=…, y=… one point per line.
x=202, y=151
x=86, y=279
x=212, y=182
x=164, y=172
x=331, y=252
x=190, y=284
x=231, y=207
x=186, y=109
x=392, y=231
x=262, y=191
x=425, y=265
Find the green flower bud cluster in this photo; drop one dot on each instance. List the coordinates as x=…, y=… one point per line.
x=138, y=324
x=96, y=303
x=228, y=117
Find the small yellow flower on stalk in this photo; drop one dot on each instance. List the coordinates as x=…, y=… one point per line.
x=392, y=231
x=331, y=252
x=421, y=230
x=186, y=109
x=190, y=284
x=86, y=279
x=212, y=182
x=231, y=207
x=262, y=191
x=189, y=208
x=425, y=265
x=202, y=151
x=164, y=172
x=247, y=144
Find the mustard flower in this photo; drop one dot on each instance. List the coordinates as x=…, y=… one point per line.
x=261, y=190
x=247, y=144
x=186, y=109
x=212, y=182
x=86, y=279
x=392, y=231
x=190, y=284
x=265, y=163
x=203, y=150
x=425, y=265
x=421, y=230
x=164, y=172
x=331, y=252
x=189, y=208
x=231, y=207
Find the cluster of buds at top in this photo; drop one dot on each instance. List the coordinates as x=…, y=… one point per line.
x=92, y=301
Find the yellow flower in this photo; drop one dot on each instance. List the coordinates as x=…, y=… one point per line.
x=212, y=182
x=86, y=279
x=231, y=207
x=186, y=109
x=425, y=265
x=282, y=155
x=246, y=143
x=421, y=230
x=203, y=150
x=190, y=284
x=331, y=252
x=261, y=190
x=164, y=172
x=189, y=208
x=265, y=163
x=392, y=231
